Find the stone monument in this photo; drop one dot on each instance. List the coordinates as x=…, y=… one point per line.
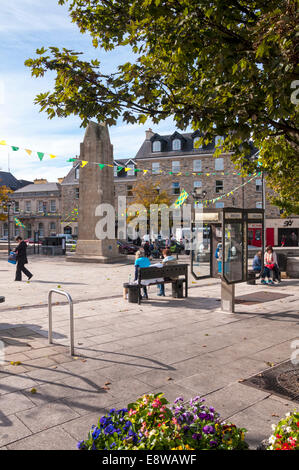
x=96, y=186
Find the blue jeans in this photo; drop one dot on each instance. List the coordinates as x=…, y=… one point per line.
x=161, y=289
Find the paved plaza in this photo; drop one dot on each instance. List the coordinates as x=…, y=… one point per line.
x=182, y=347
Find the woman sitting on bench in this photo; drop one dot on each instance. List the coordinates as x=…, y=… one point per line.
x=270, y=264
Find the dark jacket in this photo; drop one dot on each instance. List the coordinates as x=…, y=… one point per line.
x=21, y=251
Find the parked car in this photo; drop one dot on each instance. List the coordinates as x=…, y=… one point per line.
x=127, y=248
x=30, y=241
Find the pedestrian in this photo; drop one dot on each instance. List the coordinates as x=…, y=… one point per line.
x=147, y=249
x=294, y=239
x=141, y=261
x=21, y=251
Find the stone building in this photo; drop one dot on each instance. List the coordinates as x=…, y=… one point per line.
x=38, y=206
x=178, y=163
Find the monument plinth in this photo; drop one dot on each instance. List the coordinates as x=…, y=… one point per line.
x=96, y=186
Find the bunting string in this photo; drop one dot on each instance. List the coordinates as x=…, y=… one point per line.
x=120, y=168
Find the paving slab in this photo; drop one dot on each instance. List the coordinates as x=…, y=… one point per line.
x=46, y=416
x=182, y=347
x=12, y=429
x=50, y=439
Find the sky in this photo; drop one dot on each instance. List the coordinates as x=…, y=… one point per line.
x=26, y=25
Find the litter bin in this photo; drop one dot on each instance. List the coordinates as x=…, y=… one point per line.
x=177, y=289
x=133, y=292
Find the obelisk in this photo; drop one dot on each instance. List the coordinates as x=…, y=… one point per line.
x=96, y=187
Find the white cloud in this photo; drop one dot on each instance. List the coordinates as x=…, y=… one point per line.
x=33, y=15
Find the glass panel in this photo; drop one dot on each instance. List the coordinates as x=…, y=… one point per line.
x=201, y=250
x=157, y=146
x=232, y=252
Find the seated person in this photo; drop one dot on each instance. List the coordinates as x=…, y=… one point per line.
x=141, y=261
x=257, y=262
x=270, y=264
x=167, y=259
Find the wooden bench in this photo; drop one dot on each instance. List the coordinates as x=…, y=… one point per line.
x=169, y=273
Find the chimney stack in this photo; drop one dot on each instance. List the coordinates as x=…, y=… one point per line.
x=149, y=133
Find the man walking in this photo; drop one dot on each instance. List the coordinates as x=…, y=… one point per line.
x=21, y=251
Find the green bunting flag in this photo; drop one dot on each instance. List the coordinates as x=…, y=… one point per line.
x=102, y=165
x=15, y=149
x=40, y=155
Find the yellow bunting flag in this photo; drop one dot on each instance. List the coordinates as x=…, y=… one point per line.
x=145, y=171
x=29, y=151
x=2, y=142
x=53, y=156
x=83, y=163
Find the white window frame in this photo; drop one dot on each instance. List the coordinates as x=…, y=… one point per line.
x=176, y=166
x=195, y=164
x=217, y=139
x=219, y=191
x=51, y=205
x=155, y=168
x=27, y=205
x=155, y=144
x=219, y=164
x=176, y=185
x=131, y=172
x=176, y=144
x=196, y=139
x=258, y=185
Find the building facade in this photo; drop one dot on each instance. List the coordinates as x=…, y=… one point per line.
x=174, y=162
x=38, y=207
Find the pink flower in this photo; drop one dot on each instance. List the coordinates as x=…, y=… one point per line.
x=156, y=403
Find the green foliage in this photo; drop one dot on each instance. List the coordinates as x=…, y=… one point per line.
x=4, y=196
x=226, y=68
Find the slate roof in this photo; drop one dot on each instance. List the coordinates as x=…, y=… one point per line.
x=145, y=150
x=39, y=188
x=7, y=179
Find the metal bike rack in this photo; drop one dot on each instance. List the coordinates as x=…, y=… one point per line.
x=61, y=292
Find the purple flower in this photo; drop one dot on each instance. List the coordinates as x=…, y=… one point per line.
x=213, y=443
x=81, y=445
x=208, y=429
x=196, y=436
x=178, y=399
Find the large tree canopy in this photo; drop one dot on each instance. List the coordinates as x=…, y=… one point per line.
x=226, y=68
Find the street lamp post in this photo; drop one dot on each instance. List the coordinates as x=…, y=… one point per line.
x=9, y=205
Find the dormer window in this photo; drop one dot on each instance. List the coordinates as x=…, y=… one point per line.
x=157, y=146
x=196, y=144
x=218, y=140
x=131, y=171
x=176, y=144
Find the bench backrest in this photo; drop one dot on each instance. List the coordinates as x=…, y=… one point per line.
x=170, y=271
